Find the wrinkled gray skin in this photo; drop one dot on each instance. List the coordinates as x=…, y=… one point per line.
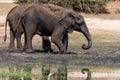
x=76, y=22
x=16, y=31
x=41, y=19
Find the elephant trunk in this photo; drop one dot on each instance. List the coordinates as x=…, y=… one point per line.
x=88, y=37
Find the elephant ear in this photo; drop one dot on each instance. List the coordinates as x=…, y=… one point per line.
x=67, y=20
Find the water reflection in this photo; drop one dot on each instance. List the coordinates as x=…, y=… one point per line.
x=32, y=72
x=20, y=72
x=39, y=71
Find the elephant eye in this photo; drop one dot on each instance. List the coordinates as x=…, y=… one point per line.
x=78, y=24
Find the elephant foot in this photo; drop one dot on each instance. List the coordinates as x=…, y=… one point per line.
x=24, y=49
x=11, y=50
x=29, y=51
x=62, y=52
x=48, y=50
x=19, y=51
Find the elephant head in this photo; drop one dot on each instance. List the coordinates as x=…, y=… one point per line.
x=73, y=21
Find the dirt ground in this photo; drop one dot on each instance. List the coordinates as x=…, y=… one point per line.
x=105, y=31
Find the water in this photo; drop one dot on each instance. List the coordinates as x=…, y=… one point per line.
x=38, y=71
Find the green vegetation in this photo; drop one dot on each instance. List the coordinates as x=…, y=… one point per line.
x=104, y=52
x=36, y=73
x=18, y=73
x=87, y=6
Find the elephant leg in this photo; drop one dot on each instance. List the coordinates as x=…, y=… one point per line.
x=29, y=43
x=30, y=30
x=19, y=42
x=12, y=42
x=25, y=43
x=57, y=38
x=46, y=45
x=65, y=41
x=59, y=44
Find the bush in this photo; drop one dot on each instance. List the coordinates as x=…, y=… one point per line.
x=32, y=1
x=21, y=1
x=93, y=6
x=87, y=6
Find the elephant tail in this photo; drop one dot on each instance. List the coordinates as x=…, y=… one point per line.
x=84, y=70
x=5, y=36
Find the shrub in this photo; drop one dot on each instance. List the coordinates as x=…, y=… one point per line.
x=32, y=1
x=21, y=1
x=87, y=6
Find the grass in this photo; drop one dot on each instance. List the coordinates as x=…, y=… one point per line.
x=104, y=52
x=19, y=73
x=102, y=57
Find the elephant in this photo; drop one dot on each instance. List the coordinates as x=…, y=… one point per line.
x=76, y=23
x=41, y=19
x=16, y=31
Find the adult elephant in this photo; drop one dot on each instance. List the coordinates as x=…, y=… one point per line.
x=16, y=31
x=41, y=19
